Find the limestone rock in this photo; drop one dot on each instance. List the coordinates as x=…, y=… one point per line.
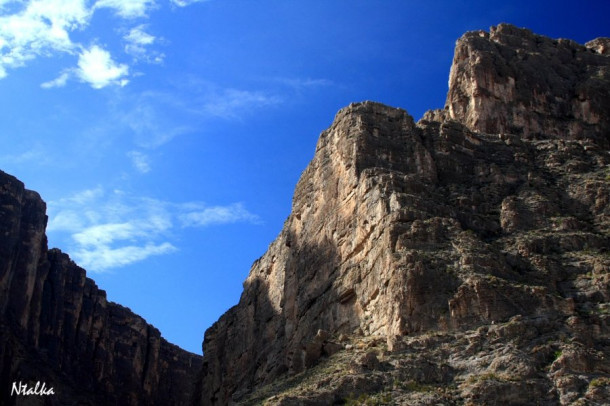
x=513, y=81
x=57, y=327
x=599, y=45
x=471, y=247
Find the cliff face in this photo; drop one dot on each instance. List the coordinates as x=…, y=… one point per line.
x=57, y=327
x=513, y=81
x=463, y=258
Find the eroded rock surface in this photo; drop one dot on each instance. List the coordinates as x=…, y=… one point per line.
x=463, y=259
x=57, y=327
x=510, y=80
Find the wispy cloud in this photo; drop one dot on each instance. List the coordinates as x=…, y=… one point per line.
x=155, y=118
x=303, y=83
x=205, y=216
x=184, y=3
x=36, y=153
x=108, y=230
x=210, y=100
x=140, y=161
x=138, y=43
x=103, y=257
x=85, y=197
x=151, y=117
x=60, y=81
x=138, y=36
x=231, y=103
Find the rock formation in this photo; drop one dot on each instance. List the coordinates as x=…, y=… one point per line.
x=513, y=81
x=462, y=259
x=57, y=327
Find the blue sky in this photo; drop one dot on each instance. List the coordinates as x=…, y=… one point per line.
x=167, y=136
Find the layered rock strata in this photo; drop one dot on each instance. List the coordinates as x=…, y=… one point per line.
x=57, y=326
x=460, y=259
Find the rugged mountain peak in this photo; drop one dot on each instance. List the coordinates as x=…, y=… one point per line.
x=465, y=254
x=510, y=80
x=363, y=137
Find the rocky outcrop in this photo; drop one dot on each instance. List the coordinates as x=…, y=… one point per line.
x=463, y=258
x=513, y=81
x=57, y=326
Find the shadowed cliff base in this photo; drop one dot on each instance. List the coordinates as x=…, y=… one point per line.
x=441, y=261
x=270, y=317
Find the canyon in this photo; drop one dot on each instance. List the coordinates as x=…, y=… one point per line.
x=460, y=259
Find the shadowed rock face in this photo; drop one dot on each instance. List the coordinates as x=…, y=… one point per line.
x=468, y=251
x=57, y=327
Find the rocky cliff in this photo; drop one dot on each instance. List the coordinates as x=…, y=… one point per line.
x=462, y=259
x=57, y=327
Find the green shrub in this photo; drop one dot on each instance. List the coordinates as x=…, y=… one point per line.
x=599, y=382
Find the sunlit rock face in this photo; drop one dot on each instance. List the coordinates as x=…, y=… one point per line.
x=462, y=258
x=57, y=327
x=513, y=81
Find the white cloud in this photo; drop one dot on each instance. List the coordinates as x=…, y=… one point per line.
x=73, y=213
x=127, y=8
x=62, y=15
x=96, y=67
x=66, y=220
x=104, y=234
x=112, y=229
x=60, y=81
x=138, y=44
x=137, y=36
x=140, y=161
x=184, y=3
x=39, y=28
x=104, y=257
x=42, y=28
x=87, y=196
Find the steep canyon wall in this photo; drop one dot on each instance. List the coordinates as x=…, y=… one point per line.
x=57, y=326
x=482, y=231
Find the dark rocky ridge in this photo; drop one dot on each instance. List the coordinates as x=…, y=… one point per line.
x=463, y=259
x=57, y=327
